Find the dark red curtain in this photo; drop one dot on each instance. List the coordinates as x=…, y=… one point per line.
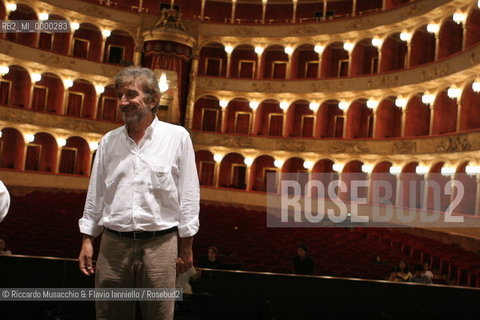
x=32, y=159
x=39, y=99
x=45, y=41
x=206, y=173
x=276, y=125
x=307, y=126
x=67, y=160
x=168, y=55
x=74, y=104
x=80, y=48
x=5, y=92
x=238, y=178
x=109, y=109
x=209, y=121
x=246, y=69
x=242, y=124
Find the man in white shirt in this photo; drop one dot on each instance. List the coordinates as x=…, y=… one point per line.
x=144, y=192
x=4, y=201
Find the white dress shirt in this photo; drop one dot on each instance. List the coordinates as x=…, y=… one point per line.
x=151, y=186
x=4, y=201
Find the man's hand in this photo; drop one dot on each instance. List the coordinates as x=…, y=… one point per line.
x=185, y=254
x=86, y=253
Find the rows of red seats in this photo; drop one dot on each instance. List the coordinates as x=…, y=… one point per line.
x=46, y=224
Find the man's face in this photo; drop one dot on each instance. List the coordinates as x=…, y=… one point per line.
x=132, y=103
x=301, y=253
x=212, y=255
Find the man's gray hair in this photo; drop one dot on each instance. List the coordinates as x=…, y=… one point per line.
x=145, y=78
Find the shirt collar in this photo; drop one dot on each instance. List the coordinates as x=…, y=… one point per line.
x=148, y=131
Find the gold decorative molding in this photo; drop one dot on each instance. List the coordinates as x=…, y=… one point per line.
x=18, y=118
x=452, y=146
x=45, y=61
x=435, y=76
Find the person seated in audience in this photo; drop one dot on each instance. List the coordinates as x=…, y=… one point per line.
x=400, y=273
x=3, y=249
x=211, y=261
x=302, y=264
x=419, y=275
x=427, y=271
x=4, y=201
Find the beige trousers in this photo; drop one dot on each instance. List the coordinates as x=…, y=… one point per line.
x=128, y=263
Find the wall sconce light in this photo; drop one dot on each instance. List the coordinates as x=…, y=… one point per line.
x=217, y=157
x=447, y=171
x=100, y=89
x=4, y=70
x=428, y=99
x=106, y=33
x=308, y=165
x=163, y=83
x=313, y=106
x=405, y=36
x=377, y=42
x=343, y=105
x=93, y=145
x=367, y=168
x=228, y=49
x=248, y=161
x=284, y=105
x=288, y=50
x=259, y=50
x=319, y=48
x=68, y=83
x=372, y=104
x=348, y=46
x=401, y=102
x=74, y=26
x=459, y=17
x=223, y=103
x=421, y=170
x=36, y=77
x=433, y=28
x=475, y=85
x=454, y=93
x=278, y=163
x=43, y=16
x=253, y=105
x=29, y=137
x=61, y=142
x=337, y=167
x=10, y=6
x=472, y=170
x=395, y=170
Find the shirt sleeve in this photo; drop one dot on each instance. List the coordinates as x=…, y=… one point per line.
x=189, y=190
x=4, y=201
x=94, y=204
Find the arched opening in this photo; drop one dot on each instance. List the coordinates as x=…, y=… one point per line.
x=244, y=62
x=383, y=185
x=42, y=153
x=450, y=38
x=269, y=119
x=444, y=114
x=472, y=35
x=364, y=58
x=388, y=122
x=213, y=60
x=323, y=174
x=293, y=170
x=23, y=12
x=352, y=172
x=107, y=109
x=205, y=167
x=437, y=199
x=330, y=120
x=275, y=62
x=468, y=200
x=334, y=61
x=12, y=149
x=54, y=41
x=300, y=120
x=87, y=42
x=81, y=99
x=239, y=116
x=417, y=118
x=15, y=87
x=412, y=187
x=233, y=172
x=305, y=62
x=119, y=48
x=75, y=157
x=422, y=47
x=207, y=114
x=48, y=94
x=394, y=53
x=470, y=110
x=264, y=174
x=359, y=120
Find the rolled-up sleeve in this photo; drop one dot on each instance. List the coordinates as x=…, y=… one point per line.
x=94, y=204
x=188, y=188
x=4, y=201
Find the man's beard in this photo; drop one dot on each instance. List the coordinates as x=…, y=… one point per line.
x=133, y=117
